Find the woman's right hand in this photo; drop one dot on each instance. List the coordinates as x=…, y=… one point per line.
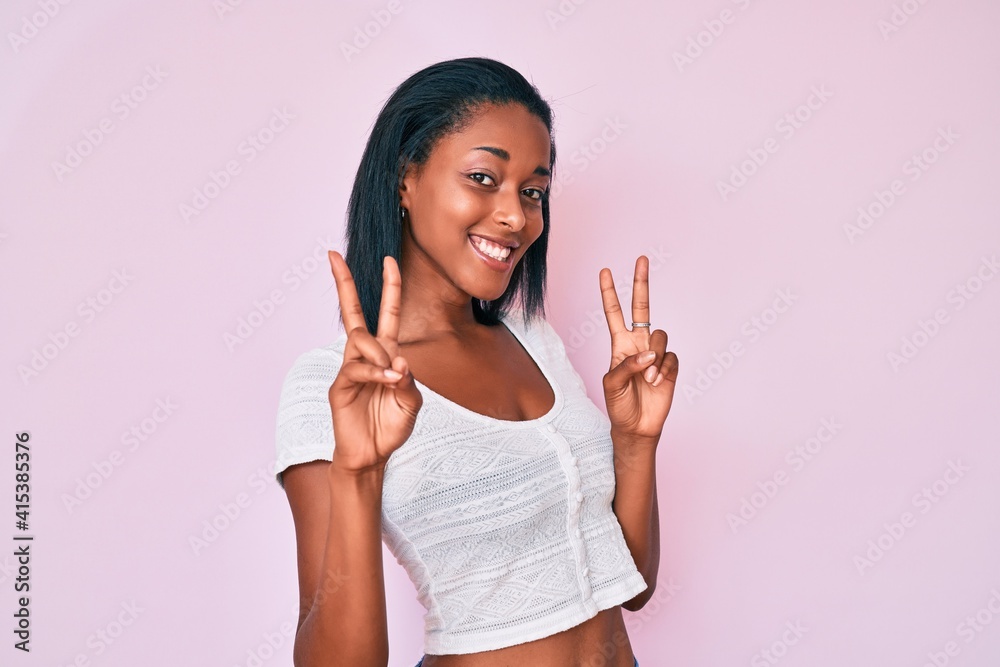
x=373, y=414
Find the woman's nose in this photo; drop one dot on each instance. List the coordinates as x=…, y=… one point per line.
x=509, y=210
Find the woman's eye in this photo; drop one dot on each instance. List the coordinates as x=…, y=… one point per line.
x=535, y=194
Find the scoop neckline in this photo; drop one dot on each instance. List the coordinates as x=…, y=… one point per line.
x=521, y=423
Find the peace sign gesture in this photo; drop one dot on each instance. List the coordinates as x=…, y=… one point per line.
x=638, y=388
x=373, y=398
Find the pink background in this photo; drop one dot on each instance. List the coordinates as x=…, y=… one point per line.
x=645, y=137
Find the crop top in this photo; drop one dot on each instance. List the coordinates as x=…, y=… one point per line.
x=504, y=527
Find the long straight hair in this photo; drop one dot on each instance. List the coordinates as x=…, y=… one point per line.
x=436, y=101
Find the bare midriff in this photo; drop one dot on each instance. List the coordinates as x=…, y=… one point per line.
x=603, y=635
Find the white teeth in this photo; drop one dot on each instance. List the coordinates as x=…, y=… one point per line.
x=494, y=251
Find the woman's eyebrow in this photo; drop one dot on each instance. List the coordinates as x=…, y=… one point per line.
x=504, y=155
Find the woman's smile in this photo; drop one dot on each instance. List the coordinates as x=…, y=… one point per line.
x=496, y=256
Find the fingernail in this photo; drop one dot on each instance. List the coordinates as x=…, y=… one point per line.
x=647, y=355
x=392, y=374
x=658, y=380
x=650, y=373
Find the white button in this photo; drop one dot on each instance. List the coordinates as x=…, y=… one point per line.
x=586, y=571
x=578, y=532
x=579, y=497
x=572, y=460
x=551, y=427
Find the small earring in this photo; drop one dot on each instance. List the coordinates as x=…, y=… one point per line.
x=402, y=213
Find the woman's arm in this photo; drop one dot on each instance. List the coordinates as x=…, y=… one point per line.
x=635, y=506
x=337, y=515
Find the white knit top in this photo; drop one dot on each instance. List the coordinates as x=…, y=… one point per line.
x=504, y=527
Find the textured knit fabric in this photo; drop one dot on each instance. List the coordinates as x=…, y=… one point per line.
x=504, y=527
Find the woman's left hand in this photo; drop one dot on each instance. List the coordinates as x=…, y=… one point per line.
x=638, y=392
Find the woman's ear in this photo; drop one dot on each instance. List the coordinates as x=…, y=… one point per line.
x=407, y=182
x=406, y=176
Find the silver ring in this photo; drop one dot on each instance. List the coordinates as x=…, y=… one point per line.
x=640, y=324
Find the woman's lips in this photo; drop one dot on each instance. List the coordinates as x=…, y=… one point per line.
x=493, y=263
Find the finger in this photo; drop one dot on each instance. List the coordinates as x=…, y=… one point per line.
x=358, y=372
x=640, y=291
x=392, y=289
x=612, y=308
x=362, y=346
x=401, y=366
x=668, y=370
x=619, y=376
x=658, y=344
x=407, y=394
x=347, y=293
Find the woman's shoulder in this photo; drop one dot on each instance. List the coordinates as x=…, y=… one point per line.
x=538, y=331
x=319, y=364
x=304, y=430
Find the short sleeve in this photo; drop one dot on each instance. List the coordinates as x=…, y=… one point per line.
x=556, y=353
x=305, y=422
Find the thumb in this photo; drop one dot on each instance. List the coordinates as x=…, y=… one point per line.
x=620, y=375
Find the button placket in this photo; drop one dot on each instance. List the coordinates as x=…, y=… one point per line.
x=575, y=498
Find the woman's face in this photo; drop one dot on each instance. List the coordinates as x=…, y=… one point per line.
x=486, y=181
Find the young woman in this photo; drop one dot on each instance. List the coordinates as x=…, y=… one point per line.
x=524, y=516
